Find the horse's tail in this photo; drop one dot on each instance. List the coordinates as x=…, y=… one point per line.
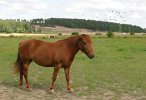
x=18, y=65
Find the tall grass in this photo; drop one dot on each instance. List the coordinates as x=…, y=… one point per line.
x=119, y=66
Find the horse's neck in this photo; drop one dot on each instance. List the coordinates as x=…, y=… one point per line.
x=72, y=44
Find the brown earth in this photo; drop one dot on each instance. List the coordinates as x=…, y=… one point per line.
x=14, y=93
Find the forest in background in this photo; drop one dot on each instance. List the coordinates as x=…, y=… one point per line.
x=15, y=26
x=25, y=26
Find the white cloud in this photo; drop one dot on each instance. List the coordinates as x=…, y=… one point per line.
x=21, y=9
x=136, y=16
x=131, y=11
x=3, y=2
x=123, y=11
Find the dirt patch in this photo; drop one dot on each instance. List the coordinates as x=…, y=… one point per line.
x=13, y=93
x=127, y=97
x=62, y=29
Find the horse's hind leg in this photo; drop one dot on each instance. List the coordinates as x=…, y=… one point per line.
x=21, y=78
x=25, y=73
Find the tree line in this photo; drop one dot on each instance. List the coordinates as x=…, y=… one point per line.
x=15, y=26
x=88, y=24
x=25, y=26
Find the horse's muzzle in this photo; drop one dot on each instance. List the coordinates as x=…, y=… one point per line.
x=91, y=56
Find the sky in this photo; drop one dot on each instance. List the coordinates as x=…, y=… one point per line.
x=119, y=11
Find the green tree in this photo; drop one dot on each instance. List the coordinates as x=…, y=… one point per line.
x=9, y=26
x=110, y=34
x=88, y=24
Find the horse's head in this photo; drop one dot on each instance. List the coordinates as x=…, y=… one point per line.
x=85, y=45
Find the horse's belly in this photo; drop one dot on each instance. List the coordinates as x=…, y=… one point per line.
x=44, y=63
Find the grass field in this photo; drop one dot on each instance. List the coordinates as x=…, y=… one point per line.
x=118, y=72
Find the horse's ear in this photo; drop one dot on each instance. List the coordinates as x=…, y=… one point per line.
x=81, y=40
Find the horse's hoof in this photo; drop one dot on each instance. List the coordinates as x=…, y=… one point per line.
x=70, y=90
x=52, y=91
x=29, y=89
x=20, y=86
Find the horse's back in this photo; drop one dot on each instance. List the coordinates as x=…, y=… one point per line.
x=27, y=47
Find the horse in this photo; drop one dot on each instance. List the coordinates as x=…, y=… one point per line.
x=51, y=36
x=59, y=54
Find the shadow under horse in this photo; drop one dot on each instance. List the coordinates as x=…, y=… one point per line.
x=59, y=54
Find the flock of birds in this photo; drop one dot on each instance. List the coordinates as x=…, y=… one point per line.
x=112, y=15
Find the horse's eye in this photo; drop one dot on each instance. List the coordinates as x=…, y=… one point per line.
x=85, y=43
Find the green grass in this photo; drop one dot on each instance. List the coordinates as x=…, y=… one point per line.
x=119, y=66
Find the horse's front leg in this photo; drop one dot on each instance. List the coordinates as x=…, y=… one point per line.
x=67, y=76
x=55, y=73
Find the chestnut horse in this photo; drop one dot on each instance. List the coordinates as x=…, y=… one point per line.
x=59, y=54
